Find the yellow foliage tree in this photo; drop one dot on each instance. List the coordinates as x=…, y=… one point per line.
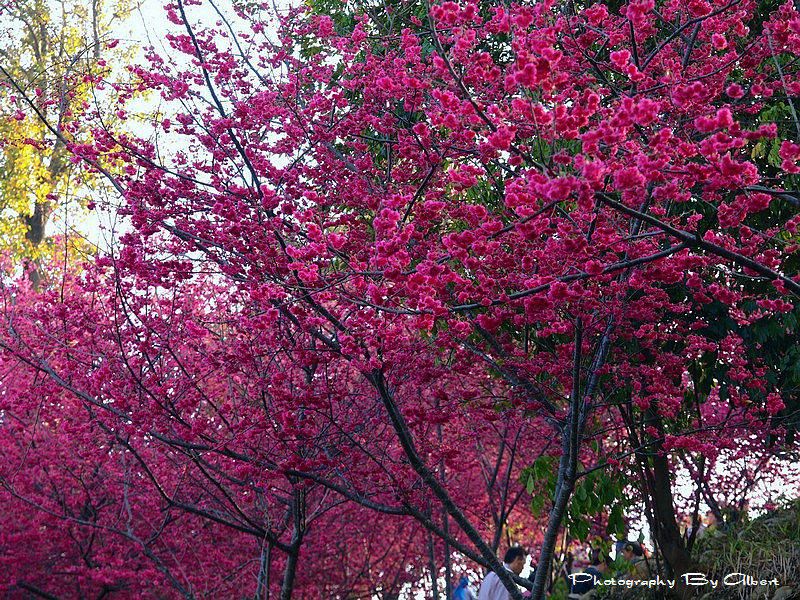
x=53, y=51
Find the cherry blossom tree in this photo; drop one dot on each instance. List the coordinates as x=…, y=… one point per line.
x=373, y=237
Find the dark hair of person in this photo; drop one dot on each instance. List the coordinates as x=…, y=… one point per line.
x=513, y=553
x=634, y=547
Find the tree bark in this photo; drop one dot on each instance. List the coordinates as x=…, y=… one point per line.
x=298, y=531
x=262, y=588
x=564, y=487
x=664, y=523
x=666, y=530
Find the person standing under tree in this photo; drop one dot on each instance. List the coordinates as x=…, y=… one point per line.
x=492, y=588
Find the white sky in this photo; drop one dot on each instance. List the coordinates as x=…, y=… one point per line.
x=146, y=26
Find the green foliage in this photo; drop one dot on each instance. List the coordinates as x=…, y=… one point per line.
x=540, y=481
x=343, y=16
x=560, y=590
x=595, y=494
x=770, y=341
x=385, y=17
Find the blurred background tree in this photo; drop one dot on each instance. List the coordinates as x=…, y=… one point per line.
x=53, y=57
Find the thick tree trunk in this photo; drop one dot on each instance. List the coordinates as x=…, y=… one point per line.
x=37, y=225
x=662, y=518
x=666, y=530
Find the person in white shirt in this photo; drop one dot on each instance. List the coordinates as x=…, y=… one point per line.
x=492, y=588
